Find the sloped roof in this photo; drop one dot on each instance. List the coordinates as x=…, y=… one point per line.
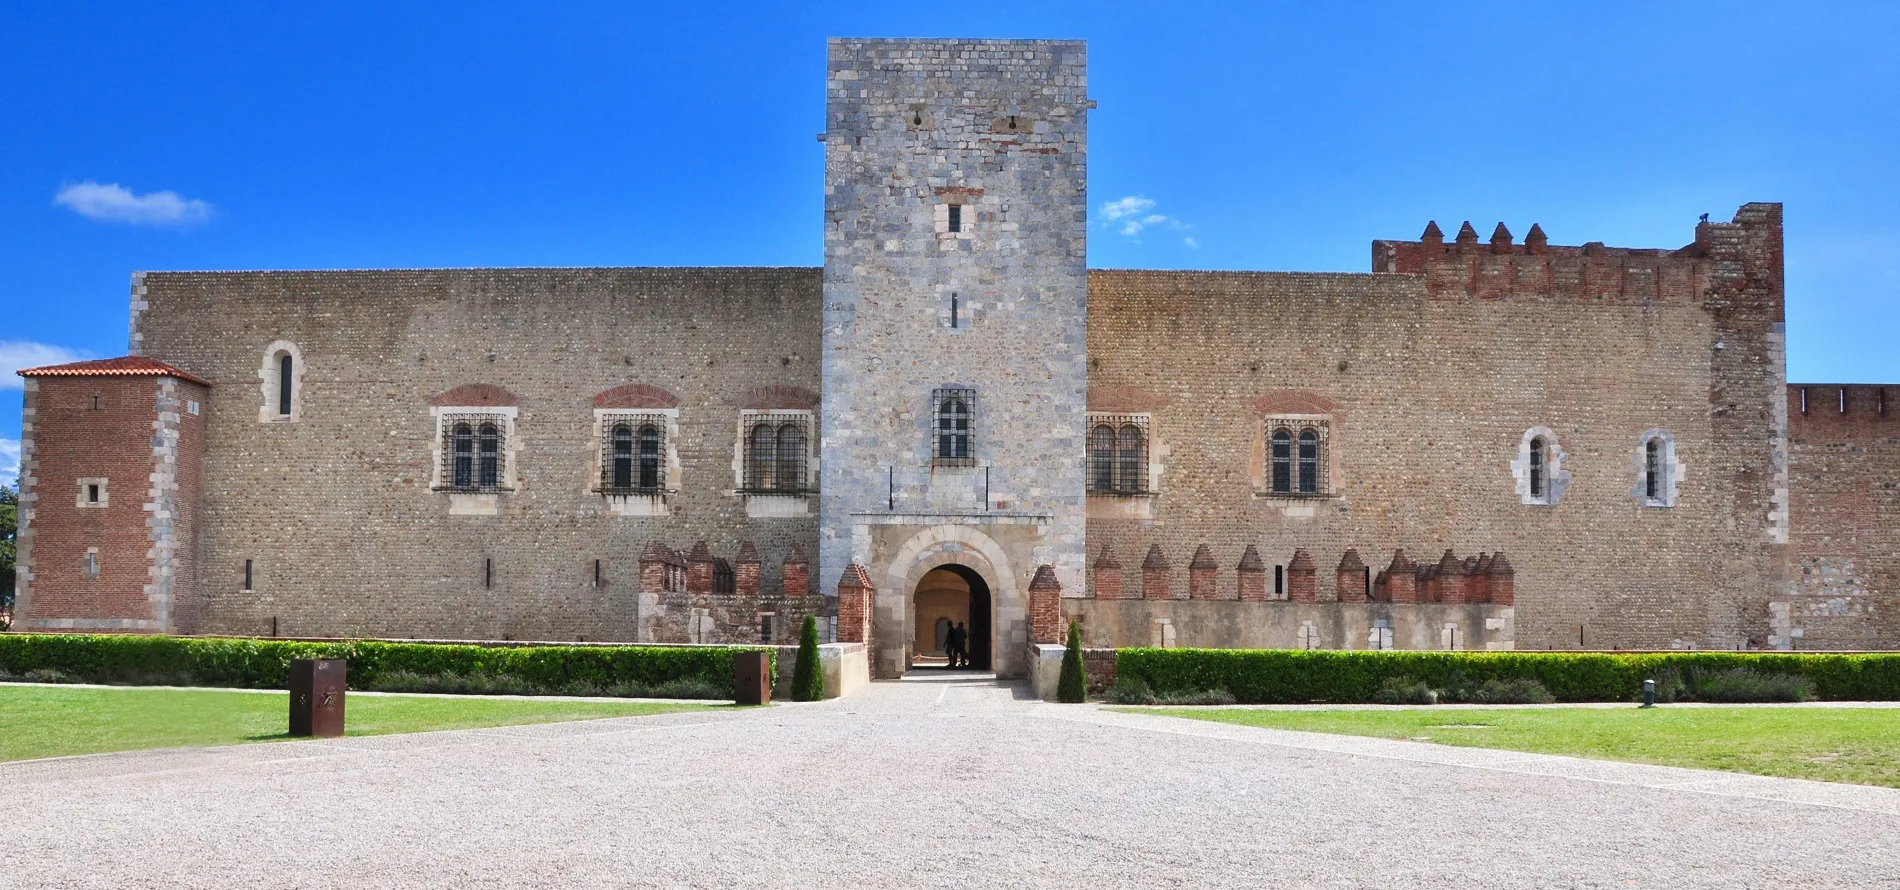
x=123, y=366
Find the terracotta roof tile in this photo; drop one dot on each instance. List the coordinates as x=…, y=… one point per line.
x=123, y=366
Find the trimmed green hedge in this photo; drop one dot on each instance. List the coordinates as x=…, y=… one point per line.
x=1292, y=676
x=265, y=664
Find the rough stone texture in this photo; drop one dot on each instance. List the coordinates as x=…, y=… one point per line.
x=1435, y=366
x=336, y=509
x=1844, y=478
x=1278, y=625
x=936, y=782
x=999, y=129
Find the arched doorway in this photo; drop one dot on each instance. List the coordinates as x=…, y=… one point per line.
x=945, y=596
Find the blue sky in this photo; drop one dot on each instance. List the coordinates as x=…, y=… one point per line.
x=1270, y=136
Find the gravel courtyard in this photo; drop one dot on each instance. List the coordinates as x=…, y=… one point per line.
x=947, y=782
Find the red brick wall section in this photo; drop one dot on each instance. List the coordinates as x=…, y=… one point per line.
x=1203, y=573
x=1154, y=574
x=1844, y=505
x=1250, y=578
x=1302, y=578
x=1108, y=575
x=1045, y=606
x=745, y=570
x=97, y=427
x=855, y=597
x=797, y=573
x=1349, y=580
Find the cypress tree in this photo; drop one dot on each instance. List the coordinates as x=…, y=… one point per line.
x=1074, y=685
x=808, y=681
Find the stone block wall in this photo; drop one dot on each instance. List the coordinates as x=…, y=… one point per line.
x=1427, y=378
x=337, y=508
x=1844, y=473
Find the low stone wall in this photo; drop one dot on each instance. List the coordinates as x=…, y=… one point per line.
x=845, y=666
x=1229, y=624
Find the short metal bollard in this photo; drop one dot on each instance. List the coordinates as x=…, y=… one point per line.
x=752, y=678
x=316, y=696
x=1649, y=693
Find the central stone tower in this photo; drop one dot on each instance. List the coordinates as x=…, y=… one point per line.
x=955, y=373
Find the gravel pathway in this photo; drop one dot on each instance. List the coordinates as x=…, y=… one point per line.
x=943, y=782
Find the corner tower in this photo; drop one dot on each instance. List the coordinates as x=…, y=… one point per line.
x=955, y=295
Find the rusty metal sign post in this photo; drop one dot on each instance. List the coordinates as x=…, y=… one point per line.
x=316, y=697
x=752, y=677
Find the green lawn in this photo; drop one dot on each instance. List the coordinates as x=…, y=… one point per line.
x=50, y=721
x=1859, y=745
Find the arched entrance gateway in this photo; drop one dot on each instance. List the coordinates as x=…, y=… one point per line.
x=945, y=597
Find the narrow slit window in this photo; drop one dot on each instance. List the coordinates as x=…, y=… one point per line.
x=1539, y=458
x=1282, y=462
x=596, y=573
x=1279, y=581
x=765, y=628
x=1309, y=462
x=247, y=574
x=286, y=374
x=488, y=572
x=953, y=310
x=956, y=217
x=92, y=493
x=1653, y=470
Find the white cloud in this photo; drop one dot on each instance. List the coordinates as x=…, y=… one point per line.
x=1191, y=243
x=1133, y=205
x=1133, y=216
x=17, y=354
x=116, y=203
x=9, y=461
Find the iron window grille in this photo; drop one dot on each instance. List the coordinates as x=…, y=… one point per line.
x=632, y=454
x=777, y=454
x=1539, y=459
x=1296, y=458
x=1118, y=454
x=953, y=421
x=474, y=453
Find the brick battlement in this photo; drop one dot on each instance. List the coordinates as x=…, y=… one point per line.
x=1497, y=267
x=1818, y=407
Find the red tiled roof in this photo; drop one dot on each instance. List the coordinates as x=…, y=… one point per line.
x=123, y=366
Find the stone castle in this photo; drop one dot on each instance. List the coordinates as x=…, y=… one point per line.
x=1483, y=443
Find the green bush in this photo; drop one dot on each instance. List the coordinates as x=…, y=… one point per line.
x=1288, y=676
x=1690, y=683
x=1135, y=692
x=1404, y=691
x=665, y=671
x=808, y=678
x=1461, y=690
x=1073, y=686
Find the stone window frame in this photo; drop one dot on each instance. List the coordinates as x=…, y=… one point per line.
x=441, y=470
x=269, y=382
x=1556, y=477
x=85, y=502
x=1325, y=483
x=940, y=399
x=749, y=419
x=637, y=501
x=1119, y=422
x=89, y=568
x=967, y=216
x=1670, y=468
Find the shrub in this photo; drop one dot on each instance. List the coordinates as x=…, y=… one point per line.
x=808, y=679
x=1130, y=691
x=1690, y=683
x=662, y=671
x=1404, y=691
x=1320, y=675
x=1073, y=687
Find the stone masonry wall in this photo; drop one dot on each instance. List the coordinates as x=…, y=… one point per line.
x=992, y=134
x=336, y=508
x=1431, y=375
x=1844, y=572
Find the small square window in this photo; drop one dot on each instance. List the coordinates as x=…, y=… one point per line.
x=93, y=493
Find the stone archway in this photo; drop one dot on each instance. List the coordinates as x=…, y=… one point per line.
x=975, y=555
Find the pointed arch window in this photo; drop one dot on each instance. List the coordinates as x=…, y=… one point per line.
x=286, y=380
x=1540, y=469
x=1658, y=470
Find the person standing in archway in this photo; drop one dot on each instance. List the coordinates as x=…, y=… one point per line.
x=959, y=646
